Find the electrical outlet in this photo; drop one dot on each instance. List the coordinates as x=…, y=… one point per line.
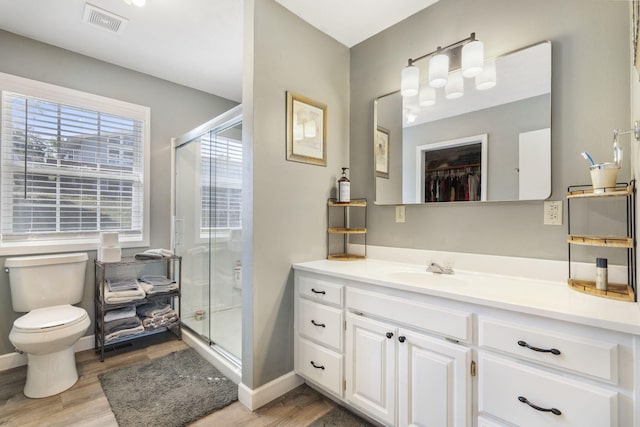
x=553, y=212
x=399, y=213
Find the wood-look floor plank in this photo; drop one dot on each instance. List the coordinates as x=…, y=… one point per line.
x=85, y=404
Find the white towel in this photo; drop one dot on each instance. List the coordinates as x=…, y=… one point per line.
x=124, y=296
x=124, y=333
x=154, y=289
x=122, y=313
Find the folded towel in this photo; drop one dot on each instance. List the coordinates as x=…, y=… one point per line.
x=124, y=333
x=154, y=308
x=153, y=289
x=121, y=313
x=156, y=322
x=154, y=254
x=122, y=285
x=112, y=297
x=120, y=324
x=157, y=280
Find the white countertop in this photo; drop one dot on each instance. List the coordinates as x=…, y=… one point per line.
x=538, y=297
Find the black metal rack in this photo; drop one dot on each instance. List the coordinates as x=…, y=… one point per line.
x=173, y=270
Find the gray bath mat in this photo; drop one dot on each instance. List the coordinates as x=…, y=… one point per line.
x=169, y=391
x=340, y=417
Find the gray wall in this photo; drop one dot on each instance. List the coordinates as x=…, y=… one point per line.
x=175, y=109
x=590, y=86
x=289, y=198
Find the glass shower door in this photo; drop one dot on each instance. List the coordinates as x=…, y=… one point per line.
x=208, y=235
x=189, y=241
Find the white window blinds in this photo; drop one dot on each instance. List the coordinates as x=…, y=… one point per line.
x=69, y=171
x=221, y=187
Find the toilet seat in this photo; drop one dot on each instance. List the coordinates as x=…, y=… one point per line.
x=50, y=319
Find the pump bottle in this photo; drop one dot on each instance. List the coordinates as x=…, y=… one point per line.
x=344, y=188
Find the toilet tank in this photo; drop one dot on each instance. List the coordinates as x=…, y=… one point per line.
x=46, y=280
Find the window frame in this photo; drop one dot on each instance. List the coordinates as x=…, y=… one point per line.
x=54, y=93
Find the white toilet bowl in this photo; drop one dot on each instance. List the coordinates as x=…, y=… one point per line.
x=47, y=336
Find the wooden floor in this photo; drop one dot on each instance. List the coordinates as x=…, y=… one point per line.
x=85, y=404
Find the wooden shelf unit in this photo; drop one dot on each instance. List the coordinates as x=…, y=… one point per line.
x=618, y=291
x=345, y=230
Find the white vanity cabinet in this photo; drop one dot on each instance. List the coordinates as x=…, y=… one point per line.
x=407, y=355
x=319, y=327
x=562, y=375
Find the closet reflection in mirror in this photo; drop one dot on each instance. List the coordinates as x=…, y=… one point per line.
x=513, y=120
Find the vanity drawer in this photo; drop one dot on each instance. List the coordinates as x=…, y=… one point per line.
x=450, y=323
x=592, y=358
x=319, y=365
x=320, y=323
x=504, y=384
x=320, y=290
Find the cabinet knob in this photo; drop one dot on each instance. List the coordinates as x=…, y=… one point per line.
x=554, y=411
x=318, y=324
x=402, y=338
x=539, y=350
x=389, y=335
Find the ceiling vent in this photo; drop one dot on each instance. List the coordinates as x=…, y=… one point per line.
x=104, y=19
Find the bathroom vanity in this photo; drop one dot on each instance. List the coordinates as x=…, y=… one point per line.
x=405, y=346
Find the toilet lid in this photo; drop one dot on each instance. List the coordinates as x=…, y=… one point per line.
x=50, y=318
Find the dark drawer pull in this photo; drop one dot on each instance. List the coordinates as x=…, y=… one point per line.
x=316, y=366
x=318, y=292
x=318, y=324
x=554, y=411
x=402, y=338
x=389, y=335
x=541, y=350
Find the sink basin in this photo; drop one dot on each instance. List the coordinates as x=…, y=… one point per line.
x=425, y=278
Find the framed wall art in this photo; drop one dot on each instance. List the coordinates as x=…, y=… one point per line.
x=381, y=150
x=306, y=130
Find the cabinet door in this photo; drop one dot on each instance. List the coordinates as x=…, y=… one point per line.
x=434, y=381
x=370, y=367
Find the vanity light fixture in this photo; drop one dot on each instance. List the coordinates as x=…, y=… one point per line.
x=466, y=54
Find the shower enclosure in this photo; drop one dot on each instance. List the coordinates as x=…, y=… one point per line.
x=208, y=230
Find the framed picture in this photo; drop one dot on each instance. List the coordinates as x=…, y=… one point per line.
x=382, y=152
x=306, y=130
x=452, y=171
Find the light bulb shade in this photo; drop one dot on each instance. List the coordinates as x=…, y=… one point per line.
x=410, y=81
x=427, y=96
x=472, y=58
x=487, y=78
x=455, y=86
x=438, y=70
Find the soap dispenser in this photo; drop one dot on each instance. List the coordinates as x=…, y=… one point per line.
x=344, y=188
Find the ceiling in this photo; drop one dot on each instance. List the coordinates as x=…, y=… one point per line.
x=196, y=43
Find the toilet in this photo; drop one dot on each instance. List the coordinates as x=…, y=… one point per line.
x=46, y=286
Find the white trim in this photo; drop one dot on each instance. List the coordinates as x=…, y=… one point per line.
x=254, y=399
x=15, y=359
x=228, y=369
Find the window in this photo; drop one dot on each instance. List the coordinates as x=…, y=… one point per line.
x=221, y=176
x=72, y=165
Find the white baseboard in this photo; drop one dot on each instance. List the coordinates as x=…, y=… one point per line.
x=254, y=399
x=15, y=359
x=227, y=368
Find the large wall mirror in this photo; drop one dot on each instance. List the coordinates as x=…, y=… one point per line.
x=488, y=145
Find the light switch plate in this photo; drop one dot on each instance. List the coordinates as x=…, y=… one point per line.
x=399, y=213
x=553, y=212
